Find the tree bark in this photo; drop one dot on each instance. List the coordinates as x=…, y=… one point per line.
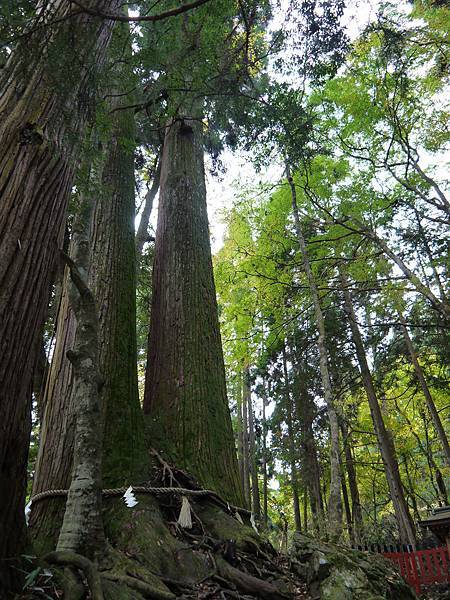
x=291, y=443
x=185, y=393
x=405, y=523
x=335, y=502
x=82, y=527
x=264, y=457
x=245, y=441
x=142, y=232
x=426, y=391
x=43, y=112
x=311, y=469
x=357, y=520
x=112, y=280
x=256, y=502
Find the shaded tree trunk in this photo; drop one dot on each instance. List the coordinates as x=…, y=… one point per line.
x=185, y=393
x=357, y=520
x=240, y=433
x=245, y=441
x=335, y=502
x=426, y=391
x=256, y=503
x=142, y=232
x=405, y=523
x=82, y=527
x=311, y=470
x=41, y=119
x=264, y=456
x=291, y=443
x=112, y=280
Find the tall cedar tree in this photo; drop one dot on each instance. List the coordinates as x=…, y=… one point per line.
x=185, y=392
x=112, y=280
x=42, y=117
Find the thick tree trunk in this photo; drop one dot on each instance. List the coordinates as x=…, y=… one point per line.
x=112, y=280
x=426, y=391
x=405, y=523
x=43, y=113
x=335, y=502
x=185, y=393
x=291, y=443
x=142, y=232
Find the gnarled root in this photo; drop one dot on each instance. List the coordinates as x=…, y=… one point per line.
x=70, y=560
x=247, y=583
x=140, y=586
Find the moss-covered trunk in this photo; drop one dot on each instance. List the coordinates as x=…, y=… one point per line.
x=112, y=280
x=43, y=113
x=185, y=393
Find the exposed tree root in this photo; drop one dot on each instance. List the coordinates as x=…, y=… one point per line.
x=139, y=585
x=247, y=583
x=90, y=571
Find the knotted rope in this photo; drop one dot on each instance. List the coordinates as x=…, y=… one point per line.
x=142, y=490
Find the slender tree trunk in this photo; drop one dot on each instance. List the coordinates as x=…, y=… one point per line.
x=291, y=443
x=82, y=528
x=357, y=519
x=43, y=113
x=426, y=391
x=405, y=523
x=256, y=502
x=142, y=232
x=185, y=393
x=112, y=280
x=335, y=503
x=348, y=512
x=245, y=441
x=264, y=457
x=429, y=254
x=305, y=509
x=442, y=306
x=240, y=431
x=311, y=468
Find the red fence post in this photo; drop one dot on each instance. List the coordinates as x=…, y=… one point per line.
x=422, y=567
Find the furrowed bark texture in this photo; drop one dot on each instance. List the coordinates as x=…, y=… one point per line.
x=112, y=280
x=335, y=503
x=405, y=523
x=185, y=392
x=44, y=105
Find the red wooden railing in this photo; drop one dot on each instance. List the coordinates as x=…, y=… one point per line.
x=422, y=567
